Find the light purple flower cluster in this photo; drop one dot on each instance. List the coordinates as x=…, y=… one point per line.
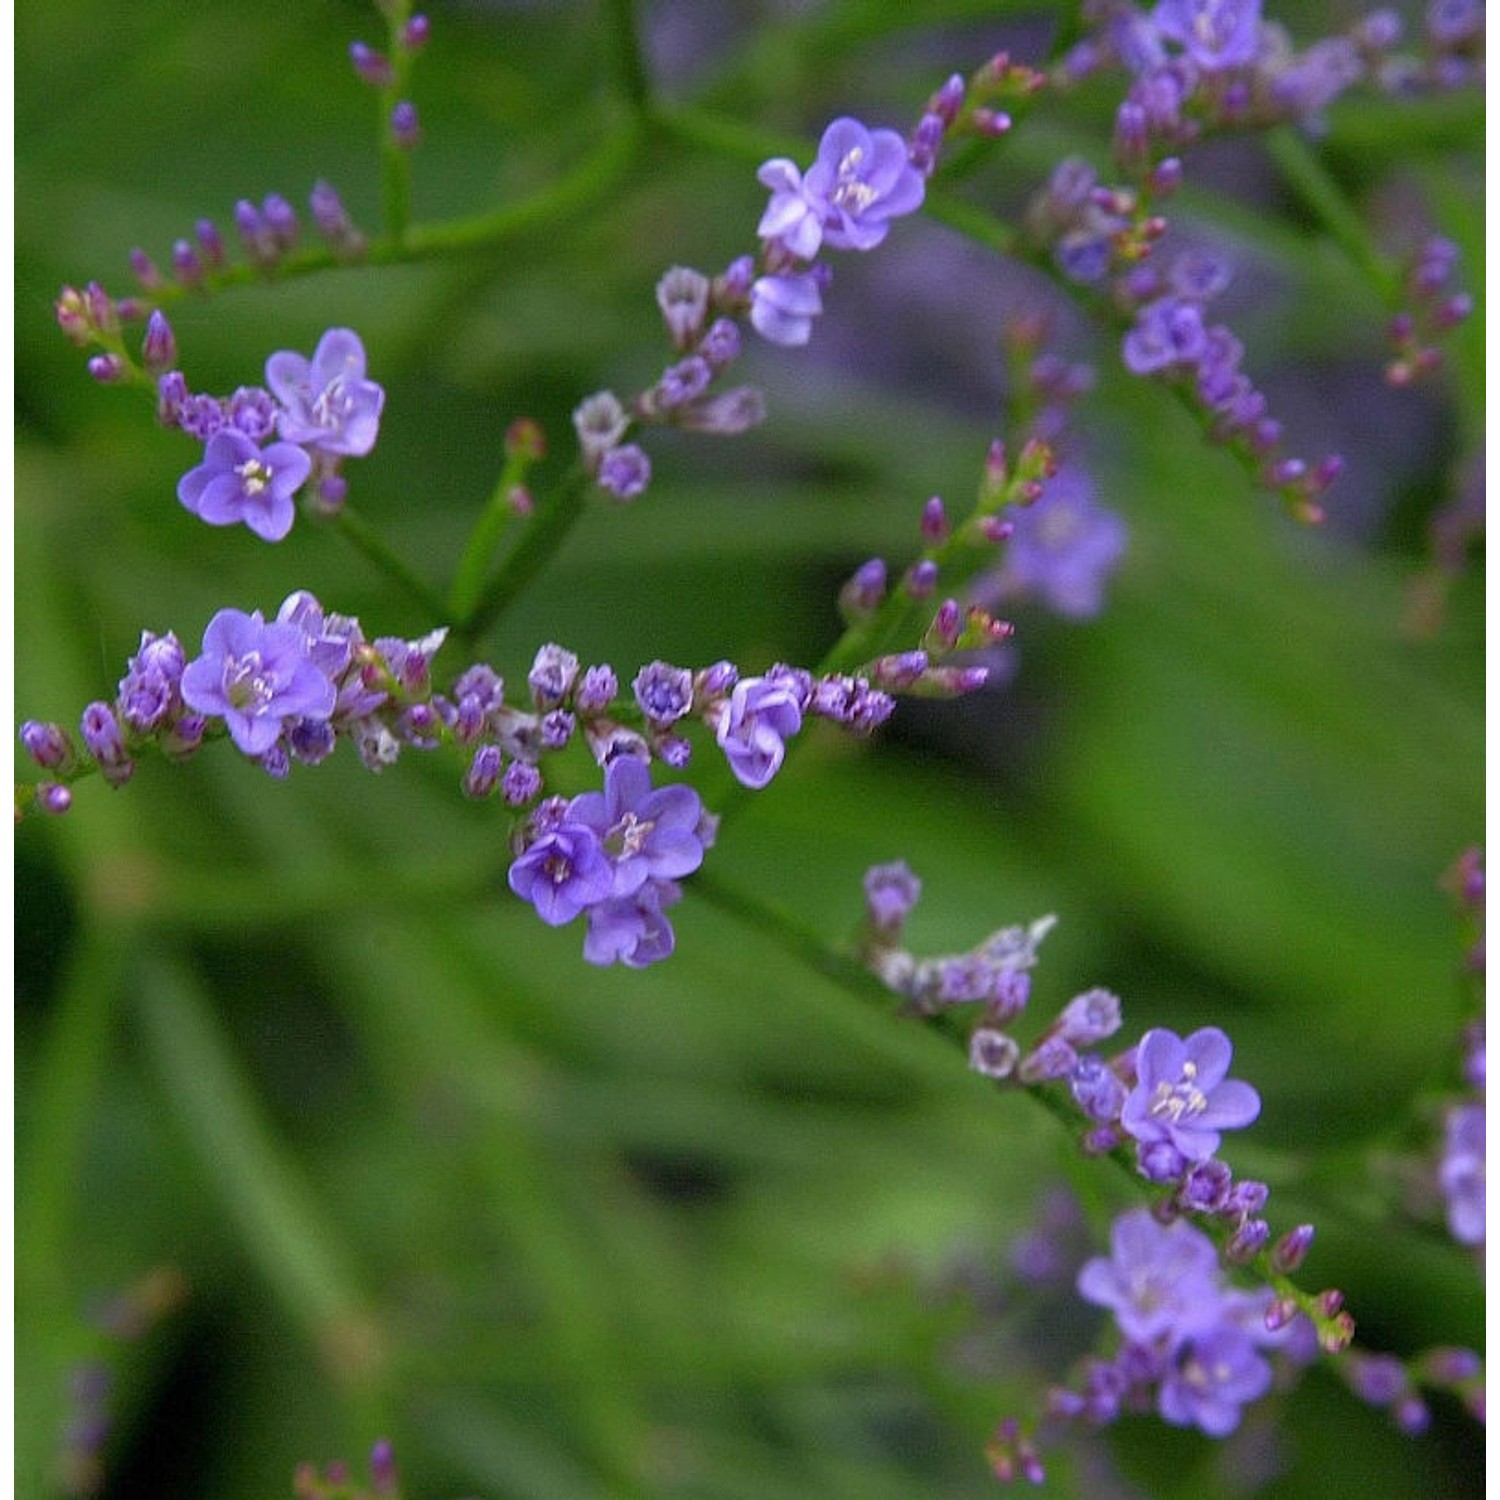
x=323, y=410
x=1190, y=1345
x=616, y=855
x=860, y=180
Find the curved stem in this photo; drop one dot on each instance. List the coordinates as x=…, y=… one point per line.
x=624, y=29
x=364, y=538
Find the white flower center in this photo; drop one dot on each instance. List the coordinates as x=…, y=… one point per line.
x=254, y=475
x=246, y=683
x=1182, y=1100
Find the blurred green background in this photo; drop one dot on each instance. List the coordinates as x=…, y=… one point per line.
x=322, y=1137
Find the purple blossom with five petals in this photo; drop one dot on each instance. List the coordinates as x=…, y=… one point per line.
x=632, y=929
x=1210, y=1378
x=1215, y=34
x=761, y=715
x=239, y=480
x=255, y=677
x=326, y=403
x=860, y=181
x=1160, y=1281
x=646, y=834
x=563, y=872
x=1182, y=1095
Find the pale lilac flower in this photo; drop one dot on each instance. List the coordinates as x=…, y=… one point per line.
x=860, y=181
x=646, y=834
x=1161, y=1281
x=600, y=422
x=150, y=690
x=1461, y=1173
x=1182, y=1096
x=563, y=872
x=624, y=472
x=782, y=307
x=1167, y=332
x=255, y=677
x=240, y=481
x=891, y=891
x=631, y=929
x=1214, y=34
x=682, y=295
x=327, y=403
x=664, y=692
x=761, y=716
x=1064, y=547
x=1210, y=1378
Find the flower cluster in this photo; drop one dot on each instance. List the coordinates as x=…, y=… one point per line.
x=323, y=410
x=1191, y=1346
x=1460, y=1172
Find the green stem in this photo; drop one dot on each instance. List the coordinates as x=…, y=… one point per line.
x=545, y=532
x=1322, y=196
x=630, y=67
x=282, y=1228
x=364, y=538
x=484, y=541
x=395, y=159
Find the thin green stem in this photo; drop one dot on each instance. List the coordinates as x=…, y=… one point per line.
x=625, y=48
x=395, y=158
x=1318, y=192
x=545, y=532
x=484, y=541
x=364, y=538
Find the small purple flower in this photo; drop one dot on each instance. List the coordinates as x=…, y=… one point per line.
x=553, y=672
x=600, y=422
x=327, y=403
x=240, y=481
x=664, y=692
x=647, y=835
x=255, y=677
x=1167, y=332
x=1215, y=34
x=1182, y=1096
x=1210, y=1379
x=149, y=691
x=1096, y=1089
x=761, y=716
x=682, y=295
x=631, y=929
x=1089, y=1018
x=1461, y=1173
x=782, y=307
x=563, y=872
x=1064, y=547
x=860, y=181
x=624, y=472
x=891, y=891
x=102, y=737
x=1161, y=1281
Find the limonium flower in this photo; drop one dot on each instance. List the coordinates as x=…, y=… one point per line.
x=326, y=402
x=1159, y=1280
x=1214, y=34
x=861, y=180
x=1182, y=1097
x=646, y=834
x=238, y=481
x=761, y=716
x=255, y=677
x=782, y=307
x=563, y=872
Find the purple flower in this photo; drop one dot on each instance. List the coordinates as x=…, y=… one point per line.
x=1215, y=34
x=1461, y=1173
x=255, y=677
x=891, y=891
x=327, y=403
x=1064, y=547
x=631, y=929
x=1210, y=1378
x=1160, y=1281
x=563, y=872
x=240, y=481
x=1182, y=1096
x=682, y=295
x=664, y=692
x=647, y=835
x=1167, y=332
x=624, y=472
x=860, y=181
x=752, y=731
x=149, y=691
x=782, y=307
